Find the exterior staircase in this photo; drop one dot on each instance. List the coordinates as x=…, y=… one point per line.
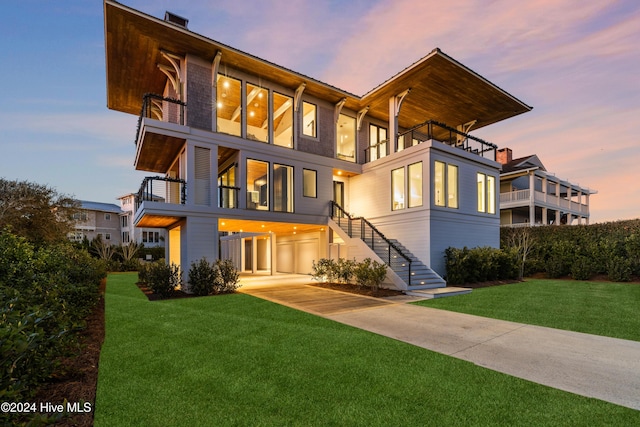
x=413, y=272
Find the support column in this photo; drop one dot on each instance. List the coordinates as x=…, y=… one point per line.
x=254, y=255
x=532, y=199
x=274, y=257
x=395, y=102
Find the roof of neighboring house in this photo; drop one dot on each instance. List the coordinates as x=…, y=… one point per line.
x=441, y=88
x=522, y=163
x=98, y=206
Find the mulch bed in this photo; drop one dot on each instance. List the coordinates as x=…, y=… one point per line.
x=155, y=297
x=381, y=293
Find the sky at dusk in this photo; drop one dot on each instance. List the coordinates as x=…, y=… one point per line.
x=577, y=63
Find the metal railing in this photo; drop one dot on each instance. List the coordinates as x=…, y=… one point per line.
x=378, y=151
x=162, y=189
x=450, y=136
x=361, y=228
x=228, y=196
x=164, y=109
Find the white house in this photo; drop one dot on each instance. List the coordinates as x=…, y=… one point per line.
x=275, y=169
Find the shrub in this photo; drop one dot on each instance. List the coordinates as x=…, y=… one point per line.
x=481, y=264
x=164, y=278
x=370, y=273
x=325, y=270
x=345, y=270
x=619, y=269
x=202, y=277
x=582, y=268
x=228, y=277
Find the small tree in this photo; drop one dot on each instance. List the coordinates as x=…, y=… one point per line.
x=37, y=212
x=523, y=242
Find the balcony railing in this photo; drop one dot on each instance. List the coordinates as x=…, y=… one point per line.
x=228, y=196
x=378, y=151
x=160, y=108
x=447, y=135
x=523, y=197
x=162, y=189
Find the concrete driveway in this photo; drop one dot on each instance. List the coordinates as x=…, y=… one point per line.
x=589, y=365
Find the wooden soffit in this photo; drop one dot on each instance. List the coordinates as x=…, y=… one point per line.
x=442, y=89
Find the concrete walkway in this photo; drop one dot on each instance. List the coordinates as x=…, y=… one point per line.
x=589, y=365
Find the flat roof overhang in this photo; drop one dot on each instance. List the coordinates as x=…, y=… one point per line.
x=253, y=226
x=442, y=89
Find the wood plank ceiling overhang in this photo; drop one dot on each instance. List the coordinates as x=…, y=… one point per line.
x=442, y=89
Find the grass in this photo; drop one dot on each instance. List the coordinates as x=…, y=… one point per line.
x=239, y=360
x=608, y=309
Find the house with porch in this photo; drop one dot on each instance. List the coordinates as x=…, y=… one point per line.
x=275, y=169
x=531, y=196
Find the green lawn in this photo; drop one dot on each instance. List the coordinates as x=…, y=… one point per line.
x=609, y=309
x=239, y=360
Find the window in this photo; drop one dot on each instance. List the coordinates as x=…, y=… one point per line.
x=452, y=186
x=257, y=113
x=107, y=236
x=445, y=185
x=107, y=217
x=397, y=189
x=486, y=193
x=257, y=185
x=377, y=142
x=415, y=185
x=125, y=221
x=125, y=237
x=346, y=138
x=227, y=190
x=282, y=120
x=309, y=183
x=309, y=119
x=282, y=188
x=228, y=105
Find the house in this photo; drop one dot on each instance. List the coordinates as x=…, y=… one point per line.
x=552, y=201
x=95, y=219
x=274, y=169
x=149, y=237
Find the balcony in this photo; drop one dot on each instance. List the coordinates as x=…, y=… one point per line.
x=159, y=135
x=523, y=198
x=162, y=190
x=432, y=130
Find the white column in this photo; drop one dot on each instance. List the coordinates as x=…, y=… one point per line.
x=393, y=126
x=532, y=199
x=274, y=260
x=254, y=255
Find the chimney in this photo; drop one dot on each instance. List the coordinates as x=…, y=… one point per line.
x=176, y=20
x=504, y=156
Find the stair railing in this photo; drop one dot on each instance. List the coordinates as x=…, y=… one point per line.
x=396, y=259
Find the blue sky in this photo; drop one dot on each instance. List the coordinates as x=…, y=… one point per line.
x=576, y=63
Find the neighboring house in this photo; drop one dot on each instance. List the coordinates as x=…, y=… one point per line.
x=95, y=219
x=261, y=164
x=553, y=201
x=150, y=237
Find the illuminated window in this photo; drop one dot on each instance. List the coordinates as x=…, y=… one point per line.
x=257, y=113
x=282, y=120
x=486, y=193
x=397, y=189
x=415, y=185
x=228, y=105
x=445, y=185
x=309, y=119
x=257, y=185
x=282, y=188
x=377, y=142
x=346, y=138
x=452, y=186
x=309, y=183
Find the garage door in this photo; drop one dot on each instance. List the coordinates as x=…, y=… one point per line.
x=297, y=257
x=285, y=263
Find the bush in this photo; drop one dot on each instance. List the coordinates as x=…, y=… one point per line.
x=202, y=277
x=582, y=268
x=345, y=270
x=370, y=273
x=325, y=270
x=619, y=269
x=163, y=278
x=480, y=264
x=228, y=277
x=45, y=295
